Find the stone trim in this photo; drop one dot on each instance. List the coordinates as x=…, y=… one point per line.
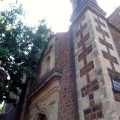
x=83, y=10
x=55, y=89
x=112, y=26
x=54, y=74
x=82, y=6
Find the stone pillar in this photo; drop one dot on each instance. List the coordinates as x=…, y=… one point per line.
x=96, y=59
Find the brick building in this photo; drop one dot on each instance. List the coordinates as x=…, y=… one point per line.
x=78, y=74
x=114, y=18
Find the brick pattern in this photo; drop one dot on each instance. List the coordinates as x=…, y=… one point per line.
x=116, y=38
x=109, y=57
x=87, y=91
x=80, y=20
x=108, y=45
x=84, y=39
x=107, y=54
x=113, y=60
x=86, y=50
x=115, y=18
x=90, y=88
x=79, y=32
x=94, y=112
x=63, y=56
x=68, y=95
x=87, y=68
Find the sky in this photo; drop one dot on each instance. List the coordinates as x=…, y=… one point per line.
x=56, y=12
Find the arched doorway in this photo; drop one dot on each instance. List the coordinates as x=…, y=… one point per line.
x=41, y=117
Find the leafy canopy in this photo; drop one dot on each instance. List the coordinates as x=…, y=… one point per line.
x=20, y=49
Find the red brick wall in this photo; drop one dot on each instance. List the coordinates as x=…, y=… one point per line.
x=115, y=18
x=68, y=96
x=116, y=38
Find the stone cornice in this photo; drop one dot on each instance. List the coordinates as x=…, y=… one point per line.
x=83, y=7
x=38, y=103
x=112, y=26
x=115, y=11
x=54, y=74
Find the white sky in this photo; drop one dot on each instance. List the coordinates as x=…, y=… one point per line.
x=56, y=12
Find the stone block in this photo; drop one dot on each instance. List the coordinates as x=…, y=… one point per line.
x=100, y=52
x=103, y=21
x=97, y=60
x=77, y=40
x=87, y=29
x=98, y=96
x=104, y=69
x=92, y=74
x=94, y=45
x=109, y=93
x=118, y=106
x=76, y=60
x=104, y=28
x=79, y=95
x=77, y=75
x=101, y=80
x=98, y=70
x=105, y=62
x=90, y=41
x=113, y=53
x=79, y=65
x=108, y=40
x=112, y=118
x=74, y=28
x=84, y=22
x=90, y=57
x=78, y=51
x=78, y=27
x=109, y=108
x=83, y=103
x=99, y=35
x=117, y=67
x=91, y=14
x=81, y=115
x=81, y=82
x=102, y=47
x=107, y=81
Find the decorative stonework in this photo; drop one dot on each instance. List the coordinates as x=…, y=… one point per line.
x=46, y=103
x=94, y=112
x=90, y=87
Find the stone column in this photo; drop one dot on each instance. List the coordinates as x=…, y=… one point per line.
x=96, y=59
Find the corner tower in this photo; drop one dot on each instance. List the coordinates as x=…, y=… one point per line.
x=96, y=59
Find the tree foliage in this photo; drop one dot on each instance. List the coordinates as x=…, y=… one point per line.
x=20, y=49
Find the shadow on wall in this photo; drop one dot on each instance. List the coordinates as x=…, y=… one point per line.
x=10, y=115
